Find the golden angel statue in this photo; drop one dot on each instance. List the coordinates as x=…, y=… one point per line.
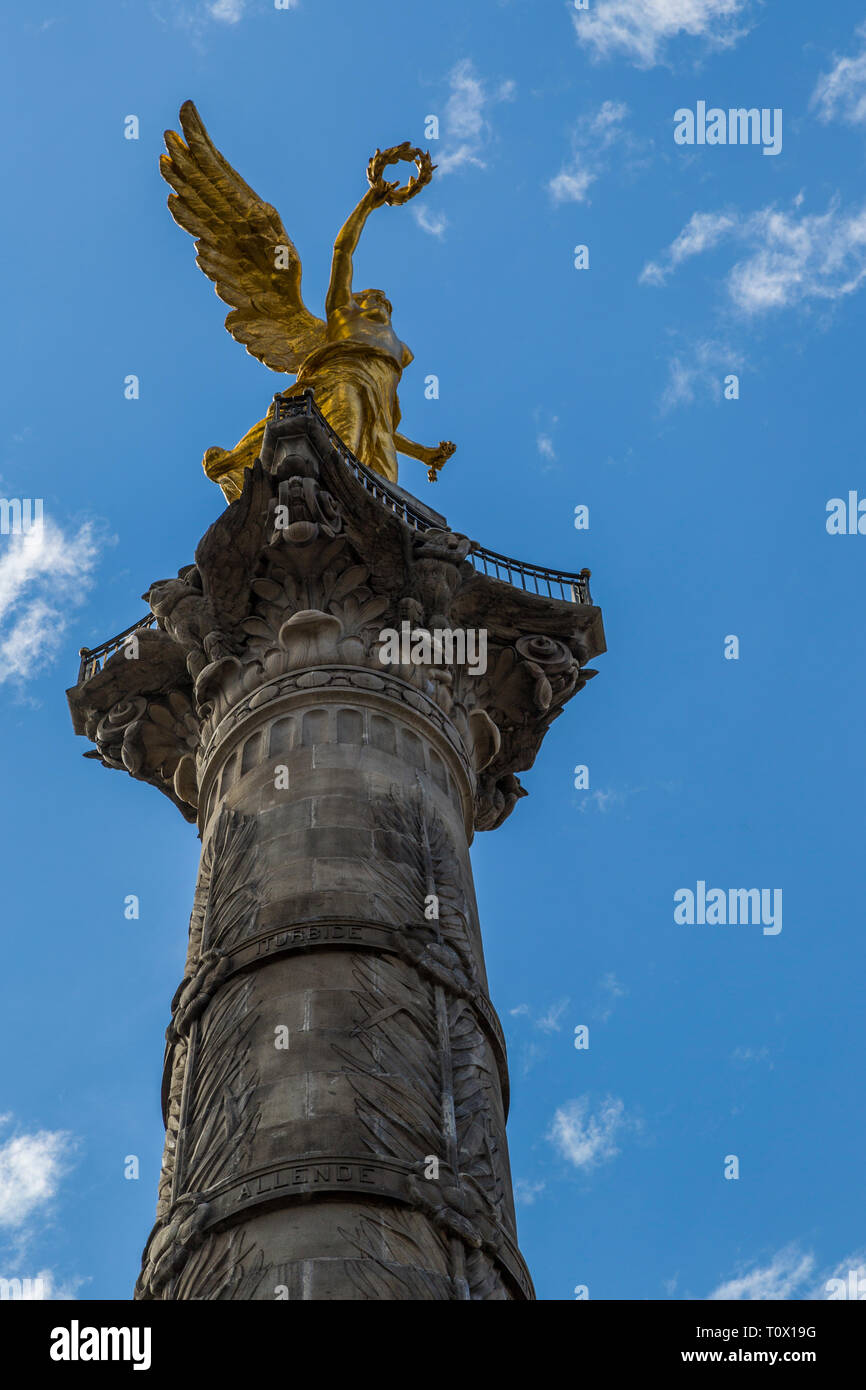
x=353, y=359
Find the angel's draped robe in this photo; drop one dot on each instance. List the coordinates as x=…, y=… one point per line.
x=355, y=388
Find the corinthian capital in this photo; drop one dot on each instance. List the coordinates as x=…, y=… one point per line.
x=293, y=587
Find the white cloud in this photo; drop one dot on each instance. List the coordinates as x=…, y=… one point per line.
x=571, y=185
x=530, y=1055
x=790, y=258
x=699, y=369
x=549, y=1022
x=31, y=1166
x=751, y=1054
x=609, y=116
x=642, y=29
x=790, y=1274
x=591, y=139
x=605, y=801
x=852, y=1265
x=432, y=222
x=525, y=1192
x=44, y=575
x=586, y=1139
x=545, y=429
x=44, y=1286
x=786, y=1272
x=466, y=124
x=197, y=17
x=822, y=256
x=610, y=989
x=840, y=94
x=702, y=232
x=227, y=11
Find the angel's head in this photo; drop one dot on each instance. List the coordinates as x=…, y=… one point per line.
x=375, y=305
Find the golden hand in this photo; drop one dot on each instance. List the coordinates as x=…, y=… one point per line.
x=377, y=197
x=438, y=457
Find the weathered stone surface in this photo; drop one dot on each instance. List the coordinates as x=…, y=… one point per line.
x=335, y=1083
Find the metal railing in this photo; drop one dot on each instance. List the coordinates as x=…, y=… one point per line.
x=285, y=407
x=521, y=574
x=572, y=588
x=93, y=659
x=535, y=579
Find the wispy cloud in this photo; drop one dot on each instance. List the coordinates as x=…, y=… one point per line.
x=588, y=1139
x=609, y=990
x=851, y=1265
x=545, y=430
x=572, y=183
x=45, y=574
x=752, y=1054
x=840, y=94
x=641, y=30
x=786, y=1272
x=791, y=258
x=699, y=370
x=550, y=1020
x=433, y=222
x=604, y=800
x=591, y=141
x=466, y=126
x=702, y=232
x=792, y=1273
x=525, y=1192
x=530, y=1054
x=227, y=11
x=198, y=17
x=466, y=132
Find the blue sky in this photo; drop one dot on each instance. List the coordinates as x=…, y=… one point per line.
x=601, y=387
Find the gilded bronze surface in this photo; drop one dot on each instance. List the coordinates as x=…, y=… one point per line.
x=352, y=358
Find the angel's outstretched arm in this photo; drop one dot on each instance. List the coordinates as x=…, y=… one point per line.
x=340, y=289
x=435, y=456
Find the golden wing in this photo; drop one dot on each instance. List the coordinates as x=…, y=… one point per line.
x=242, y=245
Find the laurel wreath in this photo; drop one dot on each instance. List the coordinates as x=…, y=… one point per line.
x=395, y=196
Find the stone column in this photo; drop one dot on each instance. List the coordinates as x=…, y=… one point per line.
x=335, y=1087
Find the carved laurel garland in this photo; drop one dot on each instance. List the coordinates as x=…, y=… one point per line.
x=222, y=1120
x=226, y=1266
